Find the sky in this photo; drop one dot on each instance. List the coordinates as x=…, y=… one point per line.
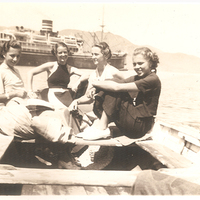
x=170, y=27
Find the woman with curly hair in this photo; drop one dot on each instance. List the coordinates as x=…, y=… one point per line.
x=131, y=103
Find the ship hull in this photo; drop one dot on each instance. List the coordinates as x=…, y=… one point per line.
x=35, y=59
x=80, y=61
x=85, y=61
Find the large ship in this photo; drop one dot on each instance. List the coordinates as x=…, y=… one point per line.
x=36, y=47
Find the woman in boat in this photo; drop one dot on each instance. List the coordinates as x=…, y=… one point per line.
x=101, y=53
x=11, y=84
x=59, y=76
x=15, y=119
x=132, y=104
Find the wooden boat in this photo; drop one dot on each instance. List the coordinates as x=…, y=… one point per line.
x=165, y=146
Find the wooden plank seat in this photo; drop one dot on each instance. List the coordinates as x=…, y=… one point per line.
x=26, y=181
x=68, y=182
x=117, y=140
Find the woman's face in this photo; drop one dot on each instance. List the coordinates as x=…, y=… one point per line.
x=97, y=57
x=11, y=58
x=141, y=65
x=62, y=55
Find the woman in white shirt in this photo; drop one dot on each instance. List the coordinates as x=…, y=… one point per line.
x=100, y=55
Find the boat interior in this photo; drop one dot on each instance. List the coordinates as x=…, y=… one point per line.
x=27, y=169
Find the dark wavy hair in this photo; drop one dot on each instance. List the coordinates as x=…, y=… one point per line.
x=59, y=44
x=105, y=49
x=6, y=46
x=150, y=56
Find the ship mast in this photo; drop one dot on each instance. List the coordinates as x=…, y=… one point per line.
x=94, y=36
x=102, y=26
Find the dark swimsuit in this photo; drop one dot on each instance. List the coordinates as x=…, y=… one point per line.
x=59, y=79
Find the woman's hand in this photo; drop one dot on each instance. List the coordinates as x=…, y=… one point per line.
x=113, y=86
x=73, y=106
x=32, y=95
x=75, y=86
x=105, y=85
x=91, y=93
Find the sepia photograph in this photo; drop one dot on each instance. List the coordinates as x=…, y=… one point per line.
x=99, y=98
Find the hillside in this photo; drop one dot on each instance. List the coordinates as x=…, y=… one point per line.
x=174, y=62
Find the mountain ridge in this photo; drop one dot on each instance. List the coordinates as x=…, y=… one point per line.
x=174, y=62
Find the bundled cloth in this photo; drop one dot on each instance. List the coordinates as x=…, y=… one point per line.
x=55, y=126
x=27, y=118
x=15, y=120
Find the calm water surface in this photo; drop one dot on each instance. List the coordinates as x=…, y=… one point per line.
x=179, y=101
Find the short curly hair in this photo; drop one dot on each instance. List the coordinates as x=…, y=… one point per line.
x=105, y=49
x=150, y=56
x=7, y=44
x=59, y=44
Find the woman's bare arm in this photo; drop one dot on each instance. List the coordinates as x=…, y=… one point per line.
x=44, y=67
x=115, y=87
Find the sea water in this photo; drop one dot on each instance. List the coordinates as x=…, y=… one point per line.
x=179, y=102
x=180, y=99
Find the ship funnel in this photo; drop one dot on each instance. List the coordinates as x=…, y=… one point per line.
x=47, y=25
